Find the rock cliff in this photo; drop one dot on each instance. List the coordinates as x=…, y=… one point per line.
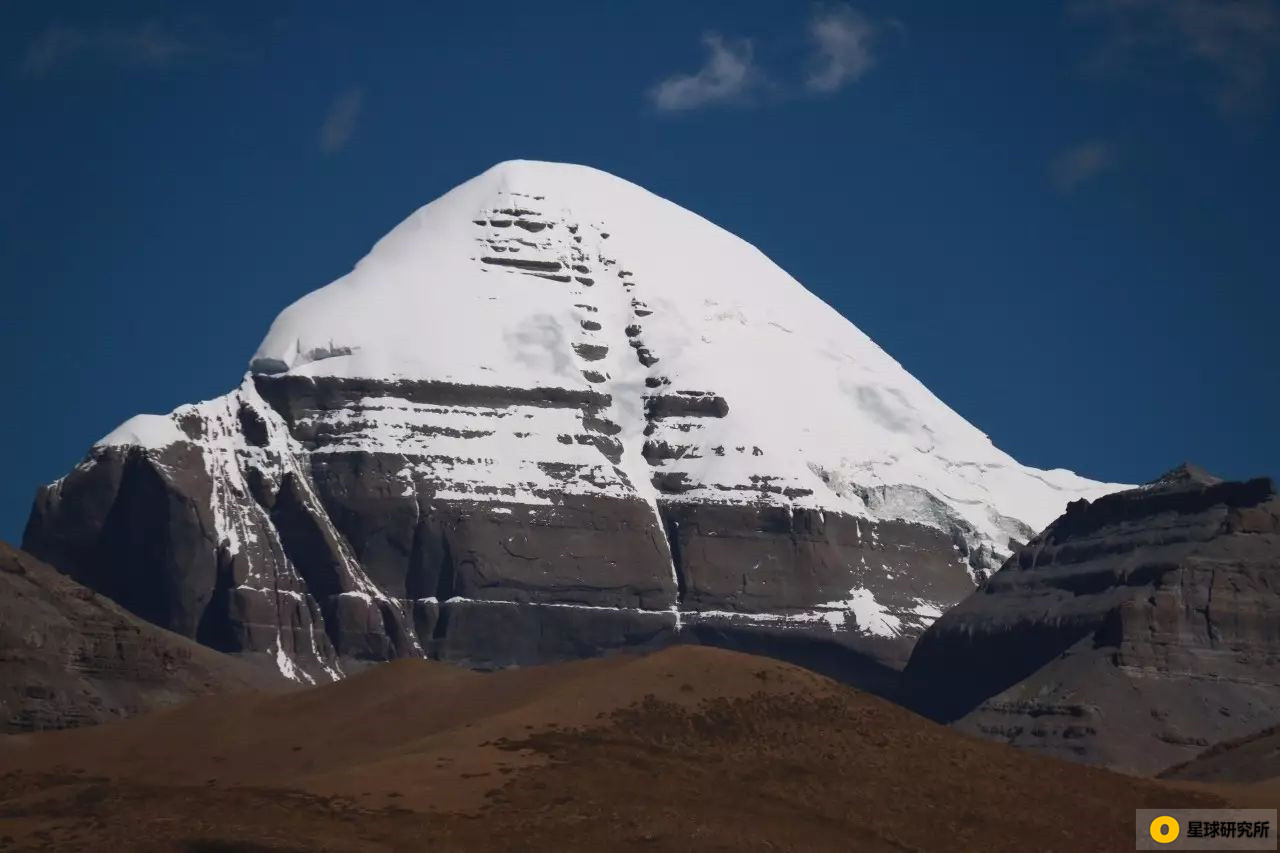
x=1134, y=632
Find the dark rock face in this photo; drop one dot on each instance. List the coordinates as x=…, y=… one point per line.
x=264, y=531
x=70, y=657
x=485, y=635
x=1134, y=632
x=798, y=558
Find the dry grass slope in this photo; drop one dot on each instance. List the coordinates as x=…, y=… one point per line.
x=685, y=749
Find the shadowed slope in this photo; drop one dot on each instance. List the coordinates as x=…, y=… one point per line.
x=1246, y=769
x=70, y=657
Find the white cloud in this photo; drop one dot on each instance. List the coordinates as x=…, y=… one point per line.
x=340, y=123
x=147, y=44
x=728, y=75
x=1236, y=43
x=1074, y=166
x=842, y=48
x=842, y=43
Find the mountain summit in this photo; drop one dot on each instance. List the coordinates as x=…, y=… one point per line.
x=547, y=415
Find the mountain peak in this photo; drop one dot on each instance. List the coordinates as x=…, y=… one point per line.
x=550, y=385
x=563, y=279
x=495, y=251
x=1186, y=475
x=551, y=275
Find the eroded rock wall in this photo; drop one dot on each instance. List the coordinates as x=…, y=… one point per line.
x=1134, y=632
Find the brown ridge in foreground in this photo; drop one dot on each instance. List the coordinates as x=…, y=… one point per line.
x=689, y=748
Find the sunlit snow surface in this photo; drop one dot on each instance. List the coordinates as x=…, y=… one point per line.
x=544, y=275
x=802, y=382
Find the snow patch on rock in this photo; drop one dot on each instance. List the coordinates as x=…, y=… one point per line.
x=149, y=431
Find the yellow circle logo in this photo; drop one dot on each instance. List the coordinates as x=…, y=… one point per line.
x=1165, y=829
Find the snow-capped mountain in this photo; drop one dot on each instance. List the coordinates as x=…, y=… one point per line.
x=549, y=414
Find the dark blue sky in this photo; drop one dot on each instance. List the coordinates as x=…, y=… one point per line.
x=1064, y=218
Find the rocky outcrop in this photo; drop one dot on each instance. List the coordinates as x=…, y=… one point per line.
x=1134, y=632
x=550, y=415
x=70, y=657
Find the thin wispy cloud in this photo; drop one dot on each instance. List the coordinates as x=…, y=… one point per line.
x=727, y=76
x=341, y=120
x=1075, y=166
x=841, y=49
x=1235, y=43
x=843, y=41
x=146, y=44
